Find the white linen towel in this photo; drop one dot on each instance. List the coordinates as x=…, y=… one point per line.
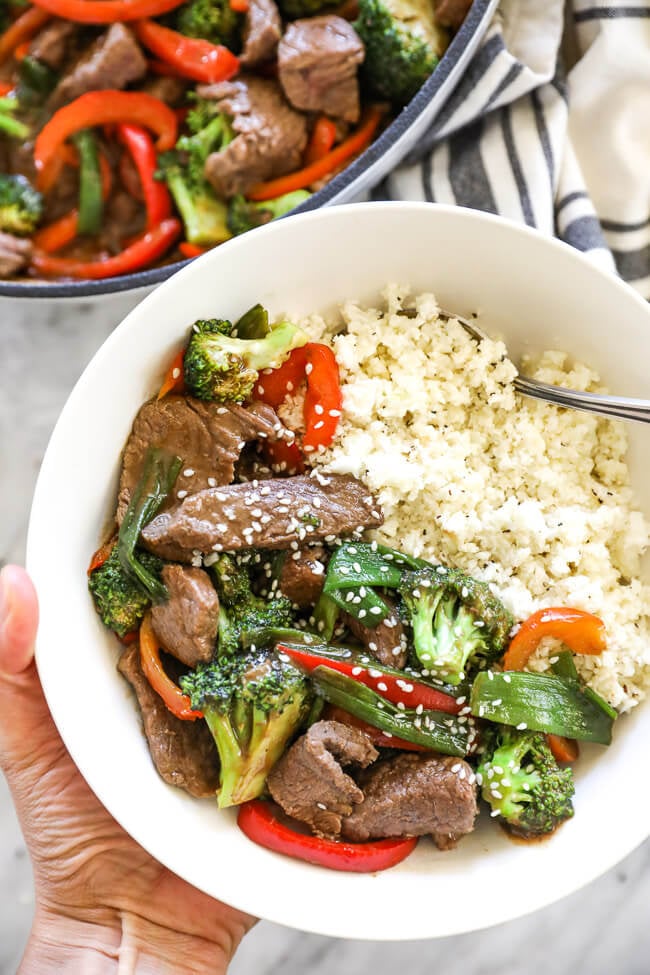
x=567, y=152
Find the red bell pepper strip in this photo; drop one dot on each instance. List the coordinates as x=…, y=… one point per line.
x=284, y=457
x=239, y=6
x=144, y=250
x=22, y=30
x=101, y=555
x=274, y=385
x=157, y=199
x=258, y=822
x=325, y=166
x=323, y=399
x=104, y=108
x=564, y=749
x=580, y=631
x=398, y=690
x=191, y=250
x=106, y=11
x=321, y=141
x=192, y=57
x=22, y=51
x=6, y=87
x=173, y=381
x=316, y=364
x=176, y=702
x=333, y=713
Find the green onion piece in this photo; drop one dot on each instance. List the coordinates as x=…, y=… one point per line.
x=359, y=564
x=326, y=613
x=541, y=702
x=269, y=636
x=10, y=125
x=432, y=729
x=158, y=477
x=565, y=666
x=254, y=324
x=35, y=81
x=91, y=204
x=369, y=608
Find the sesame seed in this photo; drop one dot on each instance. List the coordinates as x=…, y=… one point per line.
x=181, y=494
x=308, y=368
x=334, y=413
x=318, y=409
x=522, y=726
x=188, y=472
x=356, y=566
x=361, y=614
x=372, y=646
x=419, y=709
x=350, y=596
x=212, y=482
x=401, y=705
x=507, y=678
x=376, y=611
x=265, y=491
x=176, y=373
x=295, y=556
x=495, y=812
x=321, y=805
x=496, y=702
x=382, y=687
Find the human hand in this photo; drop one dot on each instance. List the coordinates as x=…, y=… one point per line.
x=103, y=905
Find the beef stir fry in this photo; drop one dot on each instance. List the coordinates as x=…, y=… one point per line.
x=139, y=133
x=347, y=697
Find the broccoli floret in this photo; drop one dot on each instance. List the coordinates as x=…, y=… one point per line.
x=458, y=623
x=211, y=20
x=240, y=610
x=224, y=369
x=523, y=783
x=402, y=43
x=253, y=705
x=21, y=206
x=245, y=214
x=204, y=215
x=121, y=602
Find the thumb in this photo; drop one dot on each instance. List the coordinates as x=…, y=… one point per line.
x=25, y=722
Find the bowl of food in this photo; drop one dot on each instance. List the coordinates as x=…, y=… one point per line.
x=368, y=596
x=136, y=137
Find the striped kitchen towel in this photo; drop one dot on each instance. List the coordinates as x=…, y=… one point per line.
x=551, y=126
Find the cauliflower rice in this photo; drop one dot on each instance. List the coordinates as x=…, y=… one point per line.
x=529, y=497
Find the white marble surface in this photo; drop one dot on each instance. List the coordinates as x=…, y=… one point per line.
x=602, y=930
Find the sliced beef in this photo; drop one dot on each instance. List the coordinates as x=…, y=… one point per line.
x=184, y=752
x=303, y=574
x=167, y=89
x=270, y=135
x=207, y=436
x=317, y=66
x=262, y=31
x=272, y=515
x=451, y=13
x=309, y=782
x=412, y=794
x=15, y=254
x=54, y=43
x=186, y=624
x=386, y=641
x=123, y=218
x=114, y=60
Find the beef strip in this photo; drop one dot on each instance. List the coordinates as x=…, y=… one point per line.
x=15, y=254
x=187, y=623
x=207, y=436
x=412, y=794
x=54, y=43
x=317, y=66
x=273, y=515
x=262, y=31
x=386, y=641
x=303, y=574
x=112, y=61
x=123, y=218
x=451, y=13
x=270, y=135
x=184, y=752
x=167, y=89
x=309, y=782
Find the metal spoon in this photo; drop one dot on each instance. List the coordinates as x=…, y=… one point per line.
x=621, y=407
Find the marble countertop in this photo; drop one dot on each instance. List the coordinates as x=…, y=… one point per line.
x=601, y=930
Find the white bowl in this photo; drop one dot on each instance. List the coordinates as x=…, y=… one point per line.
x=539, y=294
